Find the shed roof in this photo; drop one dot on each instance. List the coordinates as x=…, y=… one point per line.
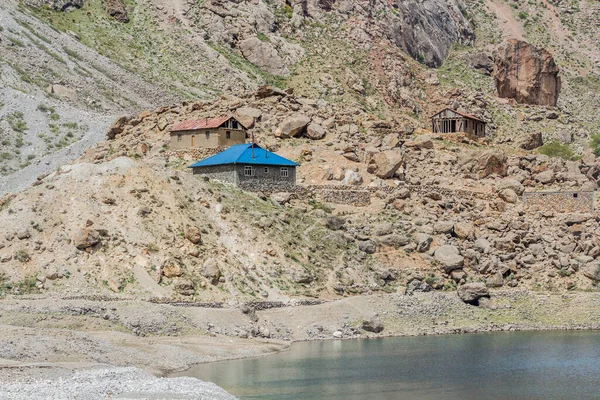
x=469, y=116
x=242, y=154
x=206, y=123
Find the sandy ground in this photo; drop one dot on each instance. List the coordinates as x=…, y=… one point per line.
x=54, y=340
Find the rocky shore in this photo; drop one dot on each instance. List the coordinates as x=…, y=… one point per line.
x=92, y=349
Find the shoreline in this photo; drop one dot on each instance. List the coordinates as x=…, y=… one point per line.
x=49, y=338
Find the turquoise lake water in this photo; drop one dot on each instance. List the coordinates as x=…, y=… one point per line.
x=519, y=365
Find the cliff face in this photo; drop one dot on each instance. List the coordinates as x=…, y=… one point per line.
x=527, y=74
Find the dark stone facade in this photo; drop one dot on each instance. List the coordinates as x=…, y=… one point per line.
x=252, y=176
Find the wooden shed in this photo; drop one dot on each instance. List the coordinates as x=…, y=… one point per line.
x=450, y=121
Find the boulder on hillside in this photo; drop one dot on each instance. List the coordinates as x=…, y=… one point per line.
x=527, y=74
x=423, y=241
x=386, y=163
x=118, y=126
x=116, y=9
x=532, y=141
x=267, y=91
x=510, y=183
x=315, y=131
x=592, y=271
x=463, y=230
x=491, y=162
x=417, y=286
x=471, y=292
x=86, y=238
x=211, y=270
x=247, y=116
x=449, y=258
x=171, y=268
x=192, y=234
x=263, y=55
x=372, y=324
x=293, y=126
x=509, y=196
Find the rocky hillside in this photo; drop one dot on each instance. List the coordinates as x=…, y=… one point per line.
x=129, y=218
x=352, y=86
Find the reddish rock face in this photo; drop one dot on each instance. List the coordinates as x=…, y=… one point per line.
x=527, y=74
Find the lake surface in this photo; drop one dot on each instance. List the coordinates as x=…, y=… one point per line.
x=519, y=365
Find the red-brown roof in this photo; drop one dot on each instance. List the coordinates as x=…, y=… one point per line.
x=207, y=123
x=469, y=116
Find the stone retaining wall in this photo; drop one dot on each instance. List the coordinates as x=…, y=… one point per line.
x=565, y=202
x=196, y=154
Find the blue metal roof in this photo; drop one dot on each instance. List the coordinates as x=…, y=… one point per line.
x=242, y=154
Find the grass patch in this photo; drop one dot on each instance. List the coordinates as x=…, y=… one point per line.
x=16, y=121
x=557, y=149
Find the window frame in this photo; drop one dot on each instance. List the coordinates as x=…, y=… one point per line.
x=227, y=134
x=248, y=168
x=284, y=172
x=179, y=137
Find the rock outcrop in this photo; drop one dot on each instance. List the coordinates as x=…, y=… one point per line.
x=527, y=74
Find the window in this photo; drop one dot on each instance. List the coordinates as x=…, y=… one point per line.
x=234, y=124
x=207, y=134
x=179, y=137
x=266, y=170
x=575, y=195
x=228, y=135
x=248, y=171
x=283, y=172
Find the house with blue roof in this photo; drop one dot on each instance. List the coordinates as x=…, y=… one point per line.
x=250, y=167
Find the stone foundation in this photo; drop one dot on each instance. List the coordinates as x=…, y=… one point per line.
x=564, y=202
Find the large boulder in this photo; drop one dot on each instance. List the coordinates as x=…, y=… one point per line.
x=527, y=74
x=417, y=286
x=532, y=141
x=118, y=126
x=211, y=270
x=386, y=163
x=315, y=131
x=372, y=324
x=247, y=116
x=512, y=184
x=592, y=271
x=264, y=55
x=423, y=241
x=293, y=126
x=471, y=292
x=86, y=238
x=491, y=162
x=449, y=258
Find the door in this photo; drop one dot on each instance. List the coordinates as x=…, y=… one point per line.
x=193, y=140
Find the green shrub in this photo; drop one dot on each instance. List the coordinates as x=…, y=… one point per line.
x=21, y=255
x=595, y=144
x=16, y=122
x=556, y=149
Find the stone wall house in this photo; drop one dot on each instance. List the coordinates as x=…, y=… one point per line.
x=249, y=166
x=209, y=132
x=451, y=121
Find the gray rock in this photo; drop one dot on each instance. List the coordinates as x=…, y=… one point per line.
x=368, y=246
x=211, y=270
x=449, y=258
x=417, y=286
x=472, y=292
x=423, y=241
x=315, y=131
x=293, y=126
x=372, y=324
x=545, y=177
